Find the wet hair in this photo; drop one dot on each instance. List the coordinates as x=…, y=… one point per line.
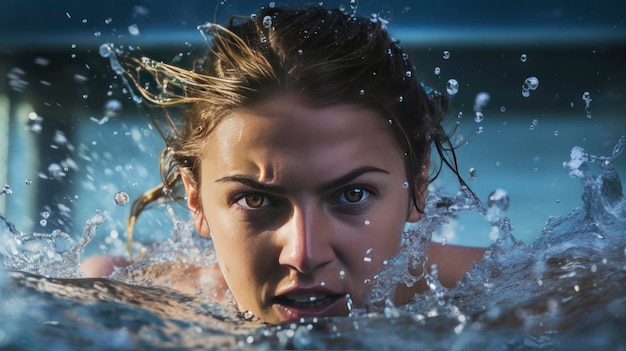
x=323, y=56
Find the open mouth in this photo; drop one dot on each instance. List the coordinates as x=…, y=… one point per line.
x=296, y=306
x=306, y=301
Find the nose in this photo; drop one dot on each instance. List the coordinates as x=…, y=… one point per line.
x=305, y=240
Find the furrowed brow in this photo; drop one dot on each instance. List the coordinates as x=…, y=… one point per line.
x=333, y=184
x=350, y=176
x=252, y=183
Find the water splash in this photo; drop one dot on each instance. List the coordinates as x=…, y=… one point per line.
x=108, y=50
x=53, y=254
x=566, y=289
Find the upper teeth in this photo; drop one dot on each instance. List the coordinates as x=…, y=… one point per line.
x=303, y=299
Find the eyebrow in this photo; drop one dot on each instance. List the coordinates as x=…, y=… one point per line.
x=333, y=184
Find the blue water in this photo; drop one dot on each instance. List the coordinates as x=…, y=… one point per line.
x=566, y=291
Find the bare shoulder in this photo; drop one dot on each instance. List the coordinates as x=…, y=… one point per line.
x=102, y=265
x=453, y=261
x=185, y=278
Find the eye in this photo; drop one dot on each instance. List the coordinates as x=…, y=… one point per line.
x=354, y=195
x=253, y=201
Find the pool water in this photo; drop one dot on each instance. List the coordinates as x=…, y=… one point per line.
x=555, y=273
x=565, y=291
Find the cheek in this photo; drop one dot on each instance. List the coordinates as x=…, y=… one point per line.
x=243, y=258
x=371, y=244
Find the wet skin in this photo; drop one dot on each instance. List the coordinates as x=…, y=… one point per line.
x=294, y=197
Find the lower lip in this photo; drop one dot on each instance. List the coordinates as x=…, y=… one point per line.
x=338, y=307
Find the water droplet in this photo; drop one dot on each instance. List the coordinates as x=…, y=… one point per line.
x=55, y=171
x=45, y=214
x=133, y=29
x=523, y=58
x=106, y=49
x=452, y=87
x=354, y=4
x=342, y=274
x=472, y=173
x=112, y=107
x=619, y=147
x=587, y=99
x=367, y=258
x=367, y=222
x=525, y=92
x=28, y=182
x=480, y=130
x=272, y=4
x=267, y=21
x=300, y=51
x=503, y=109
x=437, y=71
x=67, y=14
x=361, y=92
x=108, y=20
x=446, y=55
x=43, y=222
x=42, y=61
x=6, y=190
x=478, y=117
x=459, y=115
x=556, y=133
x=97, y=34
x=481, y=100
x=532, y=83
x=408, y=74
x=405, y=185
x=322, y=283
x=121, y=198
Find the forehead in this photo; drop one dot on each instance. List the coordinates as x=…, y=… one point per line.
x=285, y=140
x=287, y=120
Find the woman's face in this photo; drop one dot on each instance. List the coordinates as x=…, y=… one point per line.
x=303, y=204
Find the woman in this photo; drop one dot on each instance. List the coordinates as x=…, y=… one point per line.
x=304, y=150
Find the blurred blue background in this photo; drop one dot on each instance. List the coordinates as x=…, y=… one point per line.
x=70, y=138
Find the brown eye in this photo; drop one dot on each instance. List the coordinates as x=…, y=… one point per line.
x=253, y=201
x=355, y=195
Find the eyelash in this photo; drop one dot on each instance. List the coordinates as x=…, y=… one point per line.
x=337, y=202
x=267, y=200
x=368, y=195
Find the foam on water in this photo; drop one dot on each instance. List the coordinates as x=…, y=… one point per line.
x=566, y=290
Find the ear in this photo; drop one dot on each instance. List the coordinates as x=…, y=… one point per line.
x=194, y=204
x=421, y=193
